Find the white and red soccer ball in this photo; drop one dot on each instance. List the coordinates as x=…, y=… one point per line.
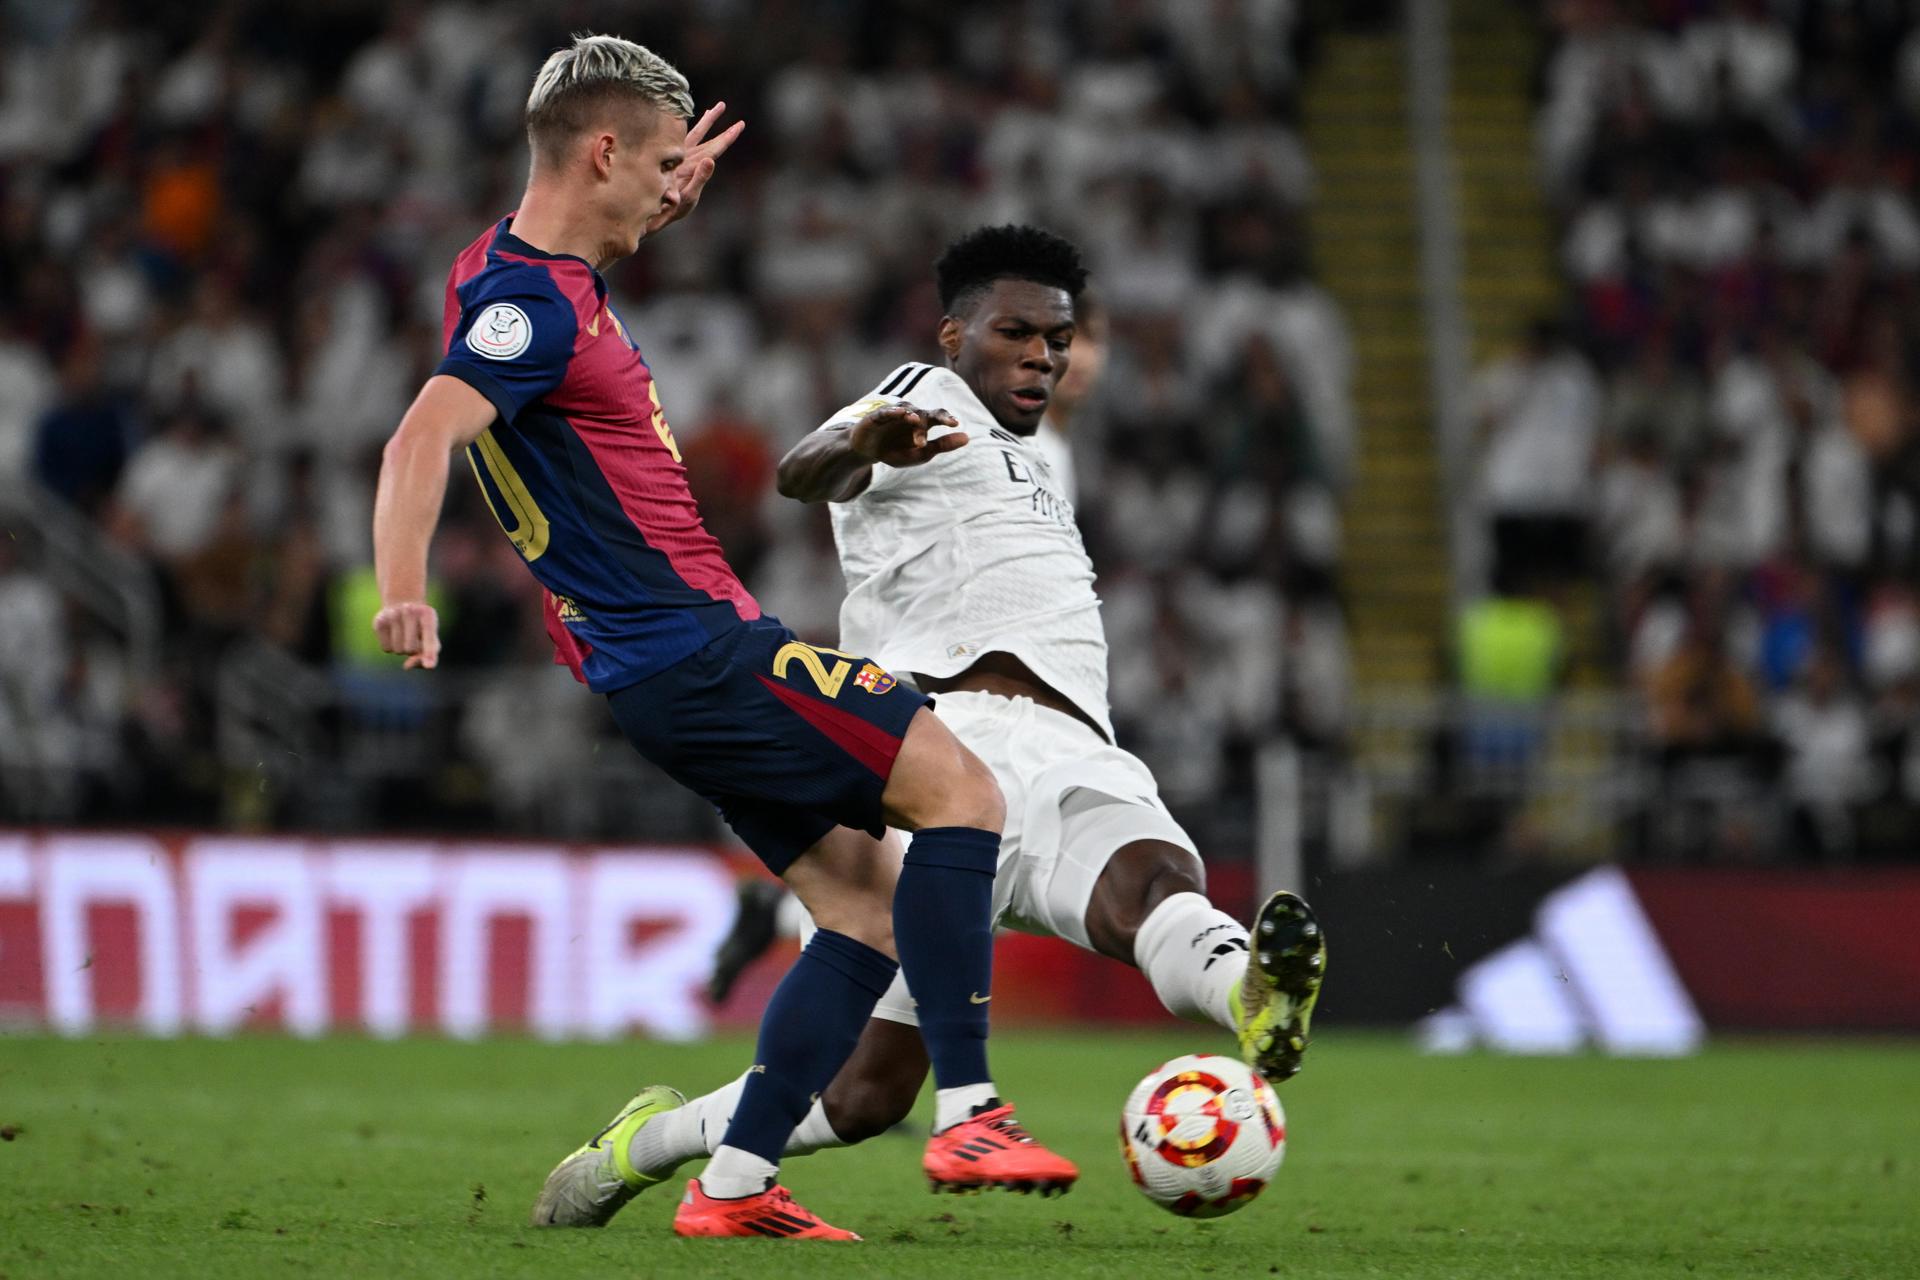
x=1203, y=1135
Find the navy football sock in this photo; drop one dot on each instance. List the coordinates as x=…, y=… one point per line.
x=943, y=930
x=807, y=1033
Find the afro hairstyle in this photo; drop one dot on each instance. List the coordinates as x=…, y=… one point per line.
x=977, y=259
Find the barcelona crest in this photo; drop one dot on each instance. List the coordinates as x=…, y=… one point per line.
x=874, y=680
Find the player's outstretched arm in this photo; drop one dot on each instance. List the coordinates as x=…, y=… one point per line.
x=835, y=463
x=446, y=415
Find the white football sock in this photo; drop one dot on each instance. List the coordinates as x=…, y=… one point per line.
x=951, y=1106
x=814, y=1133
x=1194, y=954
x=700, y=1127
x=733, y=1173
x=685, y=1132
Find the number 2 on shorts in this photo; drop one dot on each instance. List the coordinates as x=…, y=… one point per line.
x=826, y=679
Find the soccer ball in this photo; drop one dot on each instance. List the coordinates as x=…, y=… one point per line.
x=1203, y=1135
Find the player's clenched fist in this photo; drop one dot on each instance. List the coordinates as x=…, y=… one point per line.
x=410, y=627
x=896, y=434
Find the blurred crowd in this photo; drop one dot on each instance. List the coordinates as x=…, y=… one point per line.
x=224, y=232
x=1724, y=426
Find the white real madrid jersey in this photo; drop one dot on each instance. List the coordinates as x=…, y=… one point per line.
x=971, y=553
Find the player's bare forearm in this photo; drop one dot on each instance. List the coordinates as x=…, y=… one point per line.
x=406, y=508
x=824, y=468
x=447, y=415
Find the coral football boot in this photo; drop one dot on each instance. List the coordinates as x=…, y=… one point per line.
x=991, y=1149
x=771, y=1215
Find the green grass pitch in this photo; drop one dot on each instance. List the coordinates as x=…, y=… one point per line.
x=261, y=1157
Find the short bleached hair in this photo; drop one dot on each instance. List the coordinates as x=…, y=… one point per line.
x=592, y=73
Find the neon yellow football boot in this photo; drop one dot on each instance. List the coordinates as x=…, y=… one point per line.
x=589, y=1186
x=1273, y=1007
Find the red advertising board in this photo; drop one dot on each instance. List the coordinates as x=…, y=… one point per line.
x=1795, y=949
x=211, y=934
x=215, y=933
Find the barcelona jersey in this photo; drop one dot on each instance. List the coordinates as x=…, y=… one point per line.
x=581, y=468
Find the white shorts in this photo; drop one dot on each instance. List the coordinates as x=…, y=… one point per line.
x=1072, y=798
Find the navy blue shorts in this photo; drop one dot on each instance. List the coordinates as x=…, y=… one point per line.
x=787, y=741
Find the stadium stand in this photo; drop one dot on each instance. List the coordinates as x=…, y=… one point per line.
x=1726, y=420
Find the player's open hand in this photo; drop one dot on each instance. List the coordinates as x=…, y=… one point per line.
x=410, y=627
x=703, y=154
x=896, y=434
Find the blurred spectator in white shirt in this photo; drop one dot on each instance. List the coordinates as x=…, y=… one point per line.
x=1862, y=199
x=1837, y=497
x=32, y=635
x=27, y=387
x=351, y=377
x=177, y=486
x=1822, y=725
x=1265, y=290
x=1248, y=153
x=1746, y=48
x=1660, y=401
x=1539, y=411
x=1639, y=510
x=227, y=358
x=1892, y=642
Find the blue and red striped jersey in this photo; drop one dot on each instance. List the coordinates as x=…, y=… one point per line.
x=580, y=467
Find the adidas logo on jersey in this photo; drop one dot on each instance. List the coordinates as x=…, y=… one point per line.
x=1593, y=973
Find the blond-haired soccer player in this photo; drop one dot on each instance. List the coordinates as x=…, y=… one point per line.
x=800, y=749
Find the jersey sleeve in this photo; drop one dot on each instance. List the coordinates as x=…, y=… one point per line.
x=920, y=385
x=512, y=342
x=909, y=384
